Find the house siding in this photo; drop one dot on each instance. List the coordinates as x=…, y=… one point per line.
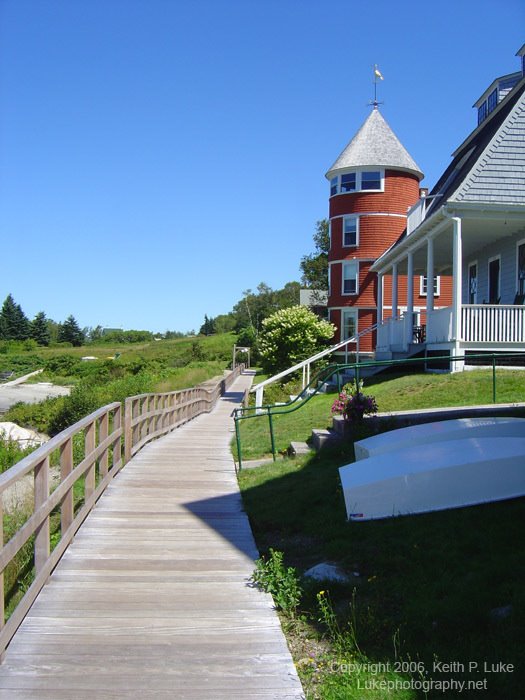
x=507, y=250
x=499, y=174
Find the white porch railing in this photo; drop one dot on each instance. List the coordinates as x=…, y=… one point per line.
x=439, y=325
x=487, y=323
x=395, y=334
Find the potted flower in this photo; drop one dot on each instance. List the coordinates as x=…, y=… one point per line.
x=353, y=405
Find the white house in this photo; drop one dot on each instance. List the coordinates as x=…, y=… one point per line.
x=470, y=226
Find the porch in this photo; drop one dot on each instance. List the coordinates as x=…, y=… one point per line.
x=494, y=327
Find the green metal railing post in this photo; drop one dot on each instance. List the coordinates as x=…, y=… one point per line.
x=238, y=439
x=271, y=433
x=493, y=378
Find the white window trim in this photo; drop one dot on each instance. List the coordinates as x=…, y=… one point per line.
x=422, y=279
x=358, y=179
x=349, y=312
x=491, y=260
x=356, y=219
x=350, y=294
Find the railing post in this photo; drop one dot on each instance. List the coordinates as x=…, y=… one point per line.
x=89, y=443
x=238, y=438
x=103, y=431
x=117, y=444
x=272, y=438
x=493, y=378
x=127, y=429
x=41, y=486
x=66, y=467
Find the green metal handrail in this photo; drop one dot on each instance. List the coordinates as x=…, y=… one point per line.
x=325, y=374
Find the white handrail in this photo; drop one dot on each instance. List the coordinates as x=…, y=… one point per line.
x=305, y=364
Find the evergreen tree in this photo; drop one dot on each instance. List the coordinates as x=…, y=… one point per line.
x=208, y=327
x=40, y=329
x=14, y=324
x=70, y=332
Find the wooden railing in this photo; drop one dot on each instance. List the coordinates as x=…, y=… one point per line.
x=96, y=443
x=60, y=495
x=148, y=416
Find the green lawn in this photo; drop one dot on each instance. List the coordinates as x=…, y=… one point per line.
x=426, y=586
x=424, y=591
x=393, y=393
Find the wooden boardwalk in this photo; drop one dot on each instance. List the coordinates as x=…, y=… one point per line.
x=152, y=599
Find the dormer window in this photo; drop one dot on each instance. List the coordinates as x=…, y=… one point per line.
x=492, y=101
x=357, y=181
x=482, y=112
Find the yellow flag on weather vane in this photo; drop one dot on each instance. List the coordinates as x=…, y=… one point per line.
x=377, y=73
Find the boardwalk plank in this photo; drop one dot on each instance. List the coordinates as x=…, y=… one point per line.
x=153, y=596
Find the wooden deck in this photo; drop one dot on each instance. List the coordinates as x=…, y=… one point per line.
x=152, y=599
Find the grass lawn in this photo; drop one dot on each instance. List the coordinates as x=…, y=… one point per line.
x=393, y=393
x=424, y=591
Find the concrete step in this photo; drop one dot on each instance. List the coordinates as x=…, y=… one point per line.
x=322, y=437
x=299, y=448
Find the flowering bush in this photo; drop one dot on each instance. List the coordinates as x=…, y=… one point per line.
x=291, y=335
x=353, y=405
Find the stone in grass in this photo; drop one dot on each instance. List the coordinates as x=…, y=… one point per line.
x=327, y=572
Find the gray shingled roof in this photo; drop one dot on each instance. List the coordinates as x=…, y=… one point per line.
x=375, y=144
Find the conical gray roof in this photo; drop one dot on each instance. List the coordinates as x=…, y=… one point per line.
x=375, y=144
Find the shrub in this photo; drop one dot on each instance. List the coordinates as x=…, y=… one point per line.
x=81, y=402
x=291, y=335
x=282, y=582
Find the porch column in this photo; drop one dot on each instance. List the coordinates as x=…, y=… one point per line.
x=430, y=277
x=457, y=265
x=410, y=297
x=379, y=298
x=395, y=303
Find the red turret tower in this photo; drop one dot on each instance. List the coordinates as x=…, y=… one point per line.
x=372, y=184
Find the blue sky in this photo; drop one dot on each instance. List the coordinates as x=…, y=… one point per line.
x=159, y=157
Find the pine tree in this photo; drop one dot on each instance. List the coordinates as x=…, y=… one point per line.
x=14, y=324
x=40, y=329
x=70, y=332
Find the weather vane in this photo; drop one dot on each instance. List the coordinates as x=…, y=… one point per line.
x=377, y=76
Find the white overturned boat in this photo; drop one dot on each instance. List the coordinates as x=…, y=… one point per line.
x=439, y=431
x=435, y=475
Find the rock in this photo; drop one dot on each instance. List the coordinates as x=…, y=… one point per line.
x=23, y=436
x=326, y=572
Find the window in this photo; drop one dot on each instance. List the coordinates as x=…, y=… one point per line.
x=350, y=277
x=357, y=181
x=423, y=285
x=492, y=101
x=350, y=231
x=494, y=293
x=348, y=182
x=482, y=112
x=371, y=180
x=349, y=324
